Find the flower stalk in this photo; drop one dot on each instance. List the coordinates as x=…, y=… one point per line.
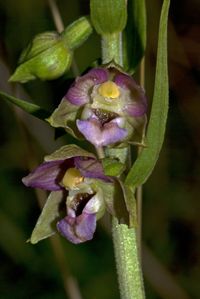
x=111, y=45
x=124, y=238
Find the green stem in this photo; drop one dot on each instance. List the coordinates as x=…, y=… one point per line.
x=127, y=261
x=124, y=238
x=112, y=48
x=100, y=152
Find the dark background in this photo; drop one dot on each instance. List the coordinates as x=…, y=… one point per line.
x=171, y=196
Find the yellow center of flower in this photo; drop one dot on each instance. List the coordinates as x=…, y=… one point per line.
x=109, y=89
x=72, y=178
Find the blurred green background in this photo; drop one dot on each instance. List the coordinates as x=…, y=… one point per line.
x=171, y=253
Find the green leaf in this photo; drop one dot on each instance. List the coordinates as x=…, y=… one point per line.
x=46, y=224
x=134, y=36
x=146, y=161
x=68, y=151
x=108, y=16
x=112, y=167
x=30, y=108
x=76, y=33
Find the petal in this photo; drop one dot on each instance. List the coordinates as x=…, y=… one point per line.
x=96, y=205
x=78, y=229
x=79, y=93
x=90, y=168
x=135, y=109
x=138, y=104
x=126, y=81
x=99, y=135
x=47, y=175
x=99, y=75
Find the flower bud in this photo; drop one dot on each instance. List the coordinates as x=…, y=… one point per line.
x=77, y=32
x=46, y=57
x=108, y=16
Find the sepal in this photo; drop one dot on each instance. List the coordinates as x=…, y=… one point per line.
x=46, y=223
x=67, y=152
x=65, y=117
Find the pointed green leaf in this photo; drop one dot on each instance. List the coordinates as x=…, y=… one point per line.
x=31, y=108
x=134, y=36
x=146, y=161
x=46, y=224
x=67, y=152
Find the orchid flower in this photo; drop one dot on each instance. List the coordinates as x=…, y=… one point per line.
x=105, y=105
x=78, y=178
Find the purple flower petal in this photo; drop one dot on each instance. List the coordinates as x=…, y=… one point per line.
x=138, y=106
x=136, y=109
x=90, y=168
x=78, y=229
x=100, y=135
x=126, y=81
x=99, y=75
x=47, y=175
x=79, y=93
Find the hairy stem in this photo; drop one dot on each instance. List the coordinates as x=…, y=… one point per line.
x=124, y=238
x=127, y=261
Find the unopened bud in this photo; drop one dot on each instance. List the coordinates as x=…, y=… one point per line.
x=46, y=57
x=77, y=32
x=108, y=16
